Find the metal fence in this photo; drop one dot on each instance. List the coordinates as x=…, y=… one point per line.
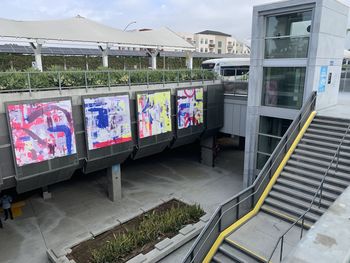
x=238, y=206
x=35, y=81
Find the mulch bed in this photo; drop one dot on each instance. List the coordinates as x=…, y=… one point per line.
x=82, y=252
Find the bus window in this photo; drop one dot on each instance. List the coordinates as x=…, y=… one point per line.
x=228, y=71
x=208, y=66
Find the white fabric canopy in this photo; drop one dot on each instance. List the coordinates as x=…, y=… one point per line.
x=80, y=29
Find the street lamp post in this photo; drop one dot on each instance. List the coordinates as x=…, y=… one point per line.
x=133, y=22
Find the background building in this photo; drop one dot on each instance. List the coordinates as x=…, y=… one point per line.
x=216, y=42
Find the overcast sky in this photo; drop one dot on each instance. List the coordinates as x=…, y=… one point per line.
x=229, y=16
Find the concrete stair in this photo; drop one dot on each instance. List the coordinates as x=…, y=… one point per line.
x=296, y=186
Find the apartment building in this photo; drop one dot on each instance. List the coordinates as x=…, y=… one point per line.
x=210, y=41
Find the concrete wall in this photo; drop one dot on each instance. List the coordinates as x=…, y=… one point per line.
x=33, y=177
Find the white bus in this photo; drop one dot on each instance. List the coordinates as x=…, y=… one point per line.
x=229, y=69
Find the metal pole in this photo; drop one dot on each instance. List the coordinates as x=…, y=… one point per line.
x=109, y=80
x=59, y=82
x=320, y=198
x=302, y=227
x=147, y=76
x=163, y=78
x=86, y=84
x=281, y=252
x=29, y=85
x=129, y=80
x=178, y=78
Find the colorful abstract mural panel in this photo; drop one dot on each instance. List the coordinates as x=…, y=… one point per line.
x=154, y=113
x=41, y=131
x=107, y=121
x=189, y=107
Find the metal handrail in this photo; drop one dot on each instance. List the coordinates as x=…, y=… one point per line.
x=263, y=174
x=319, y=190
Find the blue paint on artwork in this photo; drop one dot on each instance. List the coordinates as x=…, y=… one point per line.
x=101, y=118
x=65, y=129
x=323, y=79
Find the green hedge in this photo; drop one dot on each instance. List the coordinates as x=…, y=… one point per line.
x=17, y=80
x=153, y=226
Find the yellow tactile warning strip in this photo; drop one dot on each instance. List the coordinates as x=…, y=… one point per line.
x=261, y=200
x=246, y=250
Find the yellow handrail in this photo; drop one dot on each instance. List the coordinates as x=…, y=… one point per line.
x=262, y=198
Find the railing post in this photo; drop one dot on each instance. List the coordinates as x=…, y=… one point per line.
x=129, y=80
x=163, y=78
x=338, y=152
x=86, y=82
x=29, y=85
x=302, y=227
x=202, y=70
x=191, y=76
x=59, y=82
x=281, y=252
x=178, y=77
x=320, y=198
x=147, y=78
x=220, y=213
x=109, y=80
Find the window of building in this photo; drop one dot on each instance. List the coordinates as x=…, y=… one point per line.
x=201, y=40
x=206, y=50
x=271, y=130
x=220, y=44
x=206, y=41
x=211, y=41
x=201, y=49
x=219, y=51
x=283, y=87
x=287, y=35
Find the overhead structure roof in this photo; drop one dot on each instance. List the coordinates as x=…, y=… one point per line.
x=80, y=29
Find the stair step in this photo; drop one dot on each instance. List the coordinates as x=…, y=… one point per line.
x=285, y=216
x=331, y=122
x=220, y=257
x=318, y=169
x=325, y=138
x=324, y=144
x=325, y=150
x=291, y=210
x=327, y=158
x=297, y=202
x=317, y=176
x=326, y=199
x=325, y=164
x=250, y=255
x=328, y=127
x=306, y=181
x=303, y=188
x=326, y=133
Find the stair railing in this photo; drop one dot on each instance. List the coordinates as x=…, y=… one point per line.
x=318, y=194
x=242, y=203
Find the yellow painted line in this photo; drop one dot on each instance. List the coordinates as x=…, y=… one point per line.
x=247, y=250
x=285, y=216
x=262, y=198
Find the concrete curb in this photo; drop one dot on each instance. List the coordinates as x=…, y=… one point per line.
x=161, y=250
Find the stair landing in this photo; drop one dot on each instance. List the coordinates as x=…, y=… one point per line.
x=261, y=233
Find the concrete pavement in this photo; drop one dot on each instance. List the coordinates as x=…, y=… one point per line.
x=80, y=206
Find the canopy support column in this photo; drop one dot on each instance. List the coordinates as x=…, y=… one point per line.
x=189, y=60
x=105, y=52
x=153, y=53
x=37, y=53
